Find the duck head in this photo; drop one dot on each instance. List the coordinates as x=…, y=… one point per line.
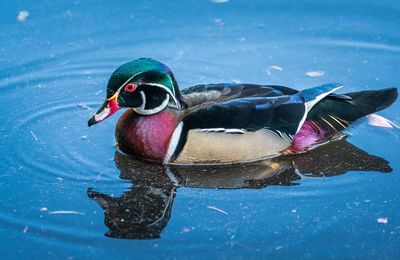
x=145, y=85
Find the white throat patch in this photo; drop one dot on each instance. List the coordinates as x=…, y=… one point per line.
x=142, y=111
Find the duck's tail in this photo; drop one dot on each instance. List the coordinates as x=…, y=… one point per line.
x=334, y=113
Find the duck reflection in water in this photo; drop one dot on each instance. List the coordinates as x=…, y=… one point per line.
x=144, y=211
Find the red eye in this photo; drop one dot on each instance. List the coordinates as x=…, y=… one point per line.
x=130, y=87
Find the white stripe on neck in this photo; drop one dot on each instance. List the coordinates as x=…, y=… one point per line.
x=177, y=104
x=142, y=111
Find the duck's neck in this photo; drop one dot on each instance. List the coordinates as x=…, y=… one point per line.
x=146, y=136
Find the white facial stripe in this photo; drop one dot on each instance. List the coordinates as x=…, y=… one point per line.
x=168, y=91
x=172, y=94
x=119, y=89
x=128, y=80
x=172, y=83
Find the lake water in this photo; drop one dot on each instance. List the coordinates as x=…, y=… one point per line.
x=65, y=192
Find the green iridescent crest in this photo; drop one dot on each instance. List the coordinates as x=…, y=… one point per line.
x=141, y=71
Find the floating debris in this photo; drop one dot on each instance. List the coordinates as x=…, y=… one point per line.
x=64, y=63
x=83, y=137
x=382, y=220
x=260, y=25
x=83, y=106
x=25, y=229
x=54, y=212
x=22, y=16
x=59, y=179
x=219, y=1
x=314, y=74
x=380, y=121
x=43, y=209
x=186, y=229
x=34, y=136
x=219, y=21
x=217, y=209
x=294, y=210
x=272, y=68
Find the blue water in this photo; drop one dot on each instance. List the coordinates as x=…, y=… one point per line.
x=55, y=173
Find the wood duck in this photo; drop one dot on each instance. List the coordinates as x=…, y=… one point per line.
x=225, y=123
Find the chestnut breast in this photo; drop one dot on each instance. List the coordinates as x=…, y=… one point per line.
x=146, y=136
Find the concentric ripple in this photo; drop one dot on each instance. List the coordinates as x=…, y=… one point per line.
x=47, y=144
x=48, y=137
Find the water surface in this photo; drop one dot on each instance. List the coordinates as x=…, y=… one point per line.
x=66, y=192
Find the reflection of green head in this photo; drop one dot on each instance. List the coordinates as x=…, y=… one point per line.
x=142, y=71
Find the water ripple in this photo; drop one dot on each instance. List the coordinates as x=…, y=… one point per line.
x=361, y=45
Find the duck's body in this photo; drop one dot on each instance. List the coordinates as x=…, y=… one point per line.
x=151, y=137
x=225, y=123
